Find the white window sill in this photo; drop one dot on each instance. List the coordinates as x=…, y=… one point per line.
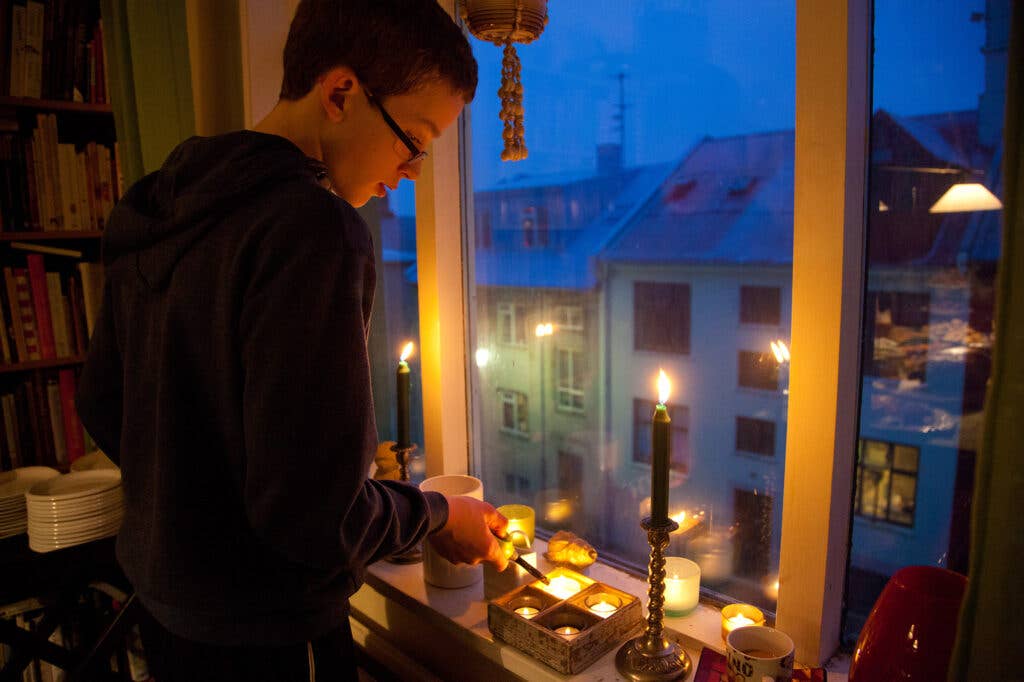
x=425, y=632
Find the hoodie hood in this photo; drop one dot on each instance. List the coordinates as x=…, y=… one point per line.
x=160, y=217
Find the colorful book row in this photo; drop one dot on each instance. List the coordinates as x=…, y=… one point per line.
x=40, y=426
x=48, y=315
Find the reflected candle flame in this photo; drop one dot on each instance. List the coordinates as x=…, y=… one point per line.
x=406, y=351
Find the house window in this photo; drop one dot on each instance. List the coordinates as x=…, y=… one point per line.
x=897, y=334
x=543, y=227
x=529, y=223
x=755, y=435
x=758, y=370
x=680, y=416
x=569, y=318
x=661, y=317
x=512, y=324
x=887, y=481
x=569, y=370
x=484, y=233
x=760, y=305
x=514, y=412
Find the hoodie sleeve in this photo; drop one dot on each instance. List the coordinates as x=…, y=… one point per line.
x=308, y=410
x=99, y=399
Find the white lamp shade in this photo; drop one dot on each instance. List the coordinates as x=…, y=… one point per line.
x=966, y=196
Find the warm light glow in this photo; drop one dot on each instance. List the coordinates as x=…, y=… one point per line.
x=603, y=608
x=686, y=521
x=557, y=511
x=527, y=612
x=780, y=351
x=882, y=207
x=483, y=356
x=966, y=196
x=739, y=620
x=568, y=631
x=406, y=351
x=545, y=329
x=664, y=387
x=562, y=587
x=738, y=616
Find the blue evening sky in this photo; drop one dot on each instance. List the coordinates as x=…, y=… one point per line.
x=696, y=68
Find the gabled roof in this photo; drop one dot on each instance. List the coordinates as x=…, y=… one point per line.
x=729, y=201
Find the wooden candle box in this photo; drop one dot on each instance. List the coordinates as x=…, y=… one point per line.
x=537, y=636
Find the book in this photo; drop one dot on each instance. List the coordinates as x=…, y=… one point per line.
x=56, y=419
x=58, y=316
x=17, y=48
x=41, y=306
x=17, y=330
x=10, y=418
x=92, y=292
x=5, y=345
x=73, y=435
x=52, y=250
x=33, y=49
x=26, y=314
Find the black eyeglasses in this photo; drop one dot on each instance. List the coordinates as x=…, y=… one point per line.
x=416, y=153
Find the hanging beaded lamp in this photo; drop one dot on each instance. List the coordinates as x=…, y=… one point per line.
x=505, y=22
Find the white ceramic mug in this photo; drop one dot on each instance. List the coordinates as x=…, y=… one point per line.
x=756, y=653
x=437, y=570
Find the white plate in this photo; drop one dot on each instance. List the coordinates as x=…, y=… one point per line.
x=7, y=533
x=76, y=524
x=49, y=517
x=61, y=536
x=50, y=547
x=48, y=506
x=74, y=485
x=13, y=484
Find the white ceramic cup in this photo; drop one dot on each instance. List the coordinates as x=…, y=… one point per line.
x=756, y=653
x=437, y=570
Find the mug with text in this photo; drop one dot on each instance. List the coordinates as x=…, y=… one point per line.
x=759, y=654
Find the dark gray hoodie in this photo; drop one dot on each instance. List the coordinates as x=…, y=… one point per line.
x=228, y=376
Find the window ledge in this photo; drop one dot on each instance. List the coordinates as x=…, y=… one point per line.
x=422, y=631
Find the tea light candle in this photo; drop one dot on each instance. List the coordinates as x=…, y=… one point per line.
x=603, y=604
x=562, y=587
x=738, y=616
x=567, y=631
x=521, y=519
x=527, y=612
x=682, y=586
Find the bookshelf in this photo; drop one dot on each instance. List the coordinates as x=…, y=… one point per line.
x=58, y=182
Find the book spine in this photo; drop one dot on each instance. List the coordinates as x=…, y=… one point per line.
x=11, y=430
x=31, y=181
x=34, y=49
x=17, y=331
x=74, y=441
x=5, y=41
x=42, y=406
x=5, y=345
x=17, y=48
x=57, y=315
x=54, y=409
x=41, y=305
x=26, y=313
x=92, y=291
x=56, y=191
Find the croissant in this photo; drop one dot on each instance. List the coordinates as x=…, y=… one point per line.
x=567, y=548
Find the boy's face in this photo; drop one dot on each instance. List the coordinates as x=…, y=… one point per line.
x=365, y=156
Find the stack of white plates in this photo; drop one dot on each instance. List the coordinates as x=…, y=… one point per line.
x=13, y=485
x=74, y=508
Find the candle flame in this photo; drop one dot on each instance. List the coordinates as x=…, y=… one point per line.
x=780, y=351
x=406, y=351
x=544, y=329
x=664, y=387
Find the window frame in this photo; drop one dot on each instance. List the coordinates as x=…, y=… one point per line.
x=893, y=471
x=576, y=366
x=511, y=396
x=515, y=324
x=833, y=48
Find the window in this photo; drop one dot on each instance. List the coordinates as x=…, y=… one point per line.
x=512, y=324
x=484, y=233
x=658, y=208
x=755, y=435
x=569, y=318
x=514, y=413
x=760, y=305
x=661, y=317
x=569, y=370
x=758, y=370
x=887, y=482
x=896, y=323
x=680, y=416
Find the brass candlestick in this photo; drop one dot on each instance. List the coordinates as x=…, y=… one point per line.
x=402, y=456
x=651, y=656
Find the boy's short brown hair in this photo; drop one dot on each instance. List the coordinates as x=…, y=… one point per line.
x=392, y=45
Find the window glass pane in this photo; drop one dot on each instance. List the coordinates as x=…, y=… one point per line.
x=938, y=80
x=392, y=222
x=658, y=188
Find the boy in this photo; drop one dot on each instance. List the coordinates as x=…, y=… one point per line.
x=228, y=372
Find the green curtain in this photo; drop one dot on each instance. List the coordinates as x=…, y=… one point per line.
x=149, y=80
x=990, y=638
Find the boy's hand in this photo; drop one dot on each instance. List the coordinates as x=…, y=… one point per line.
x=468, y=537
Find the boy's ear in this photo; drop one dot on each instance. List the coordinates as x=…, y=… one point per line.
x=336, y=88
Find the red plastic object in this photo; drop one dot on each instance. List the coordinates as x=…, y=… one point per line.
x=909, y=633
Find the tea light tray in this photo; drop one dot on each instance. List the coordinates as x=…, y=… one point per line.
x=568, y=654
